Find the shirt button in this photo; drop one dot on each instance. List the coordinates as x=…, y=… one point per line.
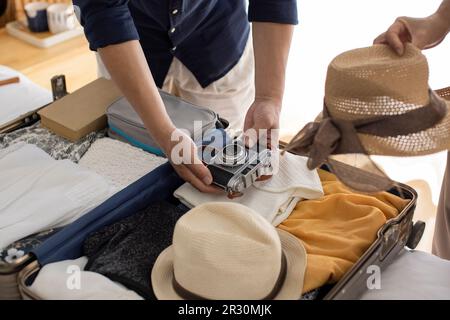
x=172, y=30
x=174, y=48
x=175, y=11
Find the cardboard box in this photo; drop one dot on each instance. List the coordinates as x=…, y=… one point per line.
x=81, y=112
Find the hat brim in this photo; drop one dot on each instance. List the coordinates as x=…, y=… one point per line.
x=429, y=141
x=292, y=288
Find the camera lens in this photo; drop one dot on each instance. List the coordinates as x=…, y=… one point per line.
x=232, y=150
x=233, y=154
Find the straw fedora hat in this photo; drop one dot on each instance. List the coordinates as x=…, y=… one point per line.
x=376, y=103
x=224, y=251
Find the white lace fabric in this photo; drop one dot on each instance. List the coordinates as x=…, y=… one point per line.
x=118, y=162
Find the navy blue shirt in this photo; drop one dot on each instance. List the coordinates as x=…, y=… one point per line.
x=207, y=36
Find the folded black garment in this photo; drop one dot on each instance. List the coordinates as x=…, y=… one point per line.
x=126, y=250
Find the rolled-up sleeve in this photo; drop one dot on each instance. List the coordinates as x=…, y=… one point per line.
x=277, y=11
x=106, y=22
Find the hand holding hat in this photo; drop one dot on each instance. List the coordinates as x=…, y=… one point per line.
x=424, y=33
x=376, y=103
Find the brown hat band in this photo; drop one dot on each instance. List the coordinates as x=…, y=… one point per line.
x=189, y=295
x=319, y=140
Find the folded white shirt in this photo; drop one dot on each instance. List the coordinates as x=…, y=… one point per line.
x=20, y=98
x=67, y=280
x=38, y=193
x=275, y=198
x=118, y=162
x=414, y=275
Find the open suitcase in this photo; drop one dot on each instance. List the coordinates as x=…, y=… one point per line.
x=160, y=185
x=9, y=269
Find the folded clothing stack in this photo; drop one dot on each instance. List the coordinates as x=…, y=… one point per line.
x=56, y=146
x=338, y=228
x=39, y=193
x=118, y=162
x=275, y=198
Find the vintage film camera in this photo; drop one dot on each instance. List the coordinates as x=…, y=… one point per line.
x=235, y=167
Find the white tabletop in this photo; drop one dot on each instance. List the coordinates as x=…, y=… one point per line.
x=19, y=98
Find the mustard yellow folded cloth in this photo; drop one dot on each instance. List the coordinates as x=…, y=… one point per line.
x=338, y=228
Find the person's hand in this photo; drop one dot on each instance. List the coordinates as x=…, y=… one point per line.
x=424, y=33
x=183, y=155
x=264, y=114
